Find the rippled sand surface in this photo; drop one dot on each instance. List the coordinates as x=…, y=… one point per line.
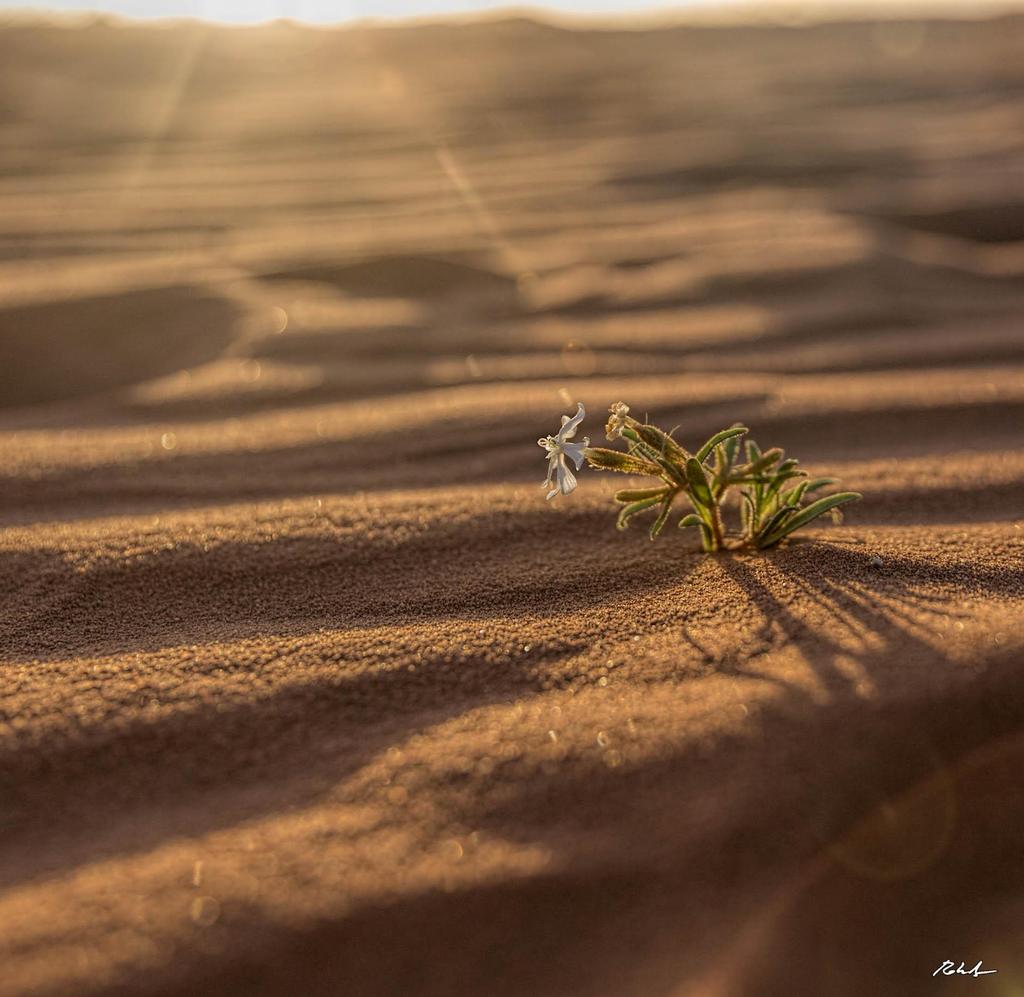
x=306, y=690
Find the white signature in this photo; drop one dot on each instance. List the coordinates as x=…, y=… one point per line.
x=950, y=968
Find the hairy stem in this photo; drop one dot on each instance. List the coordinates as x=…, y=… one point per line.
x=717, y=529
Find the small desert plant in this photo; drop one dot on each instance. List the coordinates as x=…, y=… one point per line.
x=775, y=497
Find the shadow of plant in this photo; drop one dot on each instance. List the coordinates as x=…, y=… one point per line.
x=705, y=866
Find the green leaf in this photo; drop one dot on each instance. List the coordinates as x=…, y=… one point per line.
x=615, y=460
x=725, y=434
x=732, y=448
x=627, y=512
x=668, y=470
x=779, y=480
x=661, y=442
x=792, y=496
x=672, y=472
x=700, y=491
x=639, y=445
x=659, y=523
x=707, y=539
x=753, y=451
x=636, y=494
x=748, y=513
x=776, y=522
x=762, y=461
x=813, y=511
x=721, y=461
x=797, y=492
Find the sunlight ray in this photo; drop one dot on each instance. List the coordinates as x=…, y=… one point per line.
x=169, y=101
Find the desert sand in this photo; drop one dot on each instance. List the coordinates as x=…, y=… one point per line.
x=307, y=690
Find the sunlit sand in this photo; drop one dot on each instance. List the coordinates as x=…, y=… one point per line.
x=306, y=688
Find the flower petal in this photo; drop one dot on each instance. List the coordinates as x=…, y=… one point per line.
x=568, y=430
x=574, y=451
x=566, y=479
x=552, y=464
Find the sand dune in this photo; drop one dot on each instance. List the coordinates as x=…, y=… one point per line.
x=307, y=689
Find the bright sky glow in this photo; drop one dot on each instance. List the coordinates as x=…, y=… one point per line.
x=331, y=11
x=326, y=11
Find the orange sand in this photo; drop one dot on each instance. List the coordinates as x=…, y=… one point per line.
x=308, y=691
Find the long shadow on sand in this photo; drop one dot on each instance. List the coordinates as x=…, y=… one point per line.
x=672, y=889
x=209, y=765
x=221, y=762
x=59, y=350
x=223, y=591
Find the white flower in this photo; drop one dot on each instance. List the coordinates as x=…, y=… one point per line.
x=617, y=422
x=559, y=448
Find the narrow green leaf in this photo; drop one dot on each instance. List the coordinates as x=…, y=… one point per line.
x=804, y=516
x=748, y=513
x=630, y=433
x=661, y=442
x=759, y=506
x=792, y=496
x=672, y=472
x=615, y=460
x=720, y=472
x=762, y=461
x=707, y=539
x=639, y=446
x=776, y=522
x=798, y=491
x=659, y=523
x=700, y=492
x=725, y=434
x=732, y=448
x=753, y=451
x=636, y=494
x=721, y=461
x=628, y=511
x=779, y=480
x=668, y=470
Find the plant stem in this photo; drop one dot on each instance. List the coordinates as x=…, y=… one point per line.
x=717, y=530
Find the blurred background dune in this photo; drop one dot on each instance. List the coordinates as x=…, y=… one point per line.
x=308, y=691
x=498, y=202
